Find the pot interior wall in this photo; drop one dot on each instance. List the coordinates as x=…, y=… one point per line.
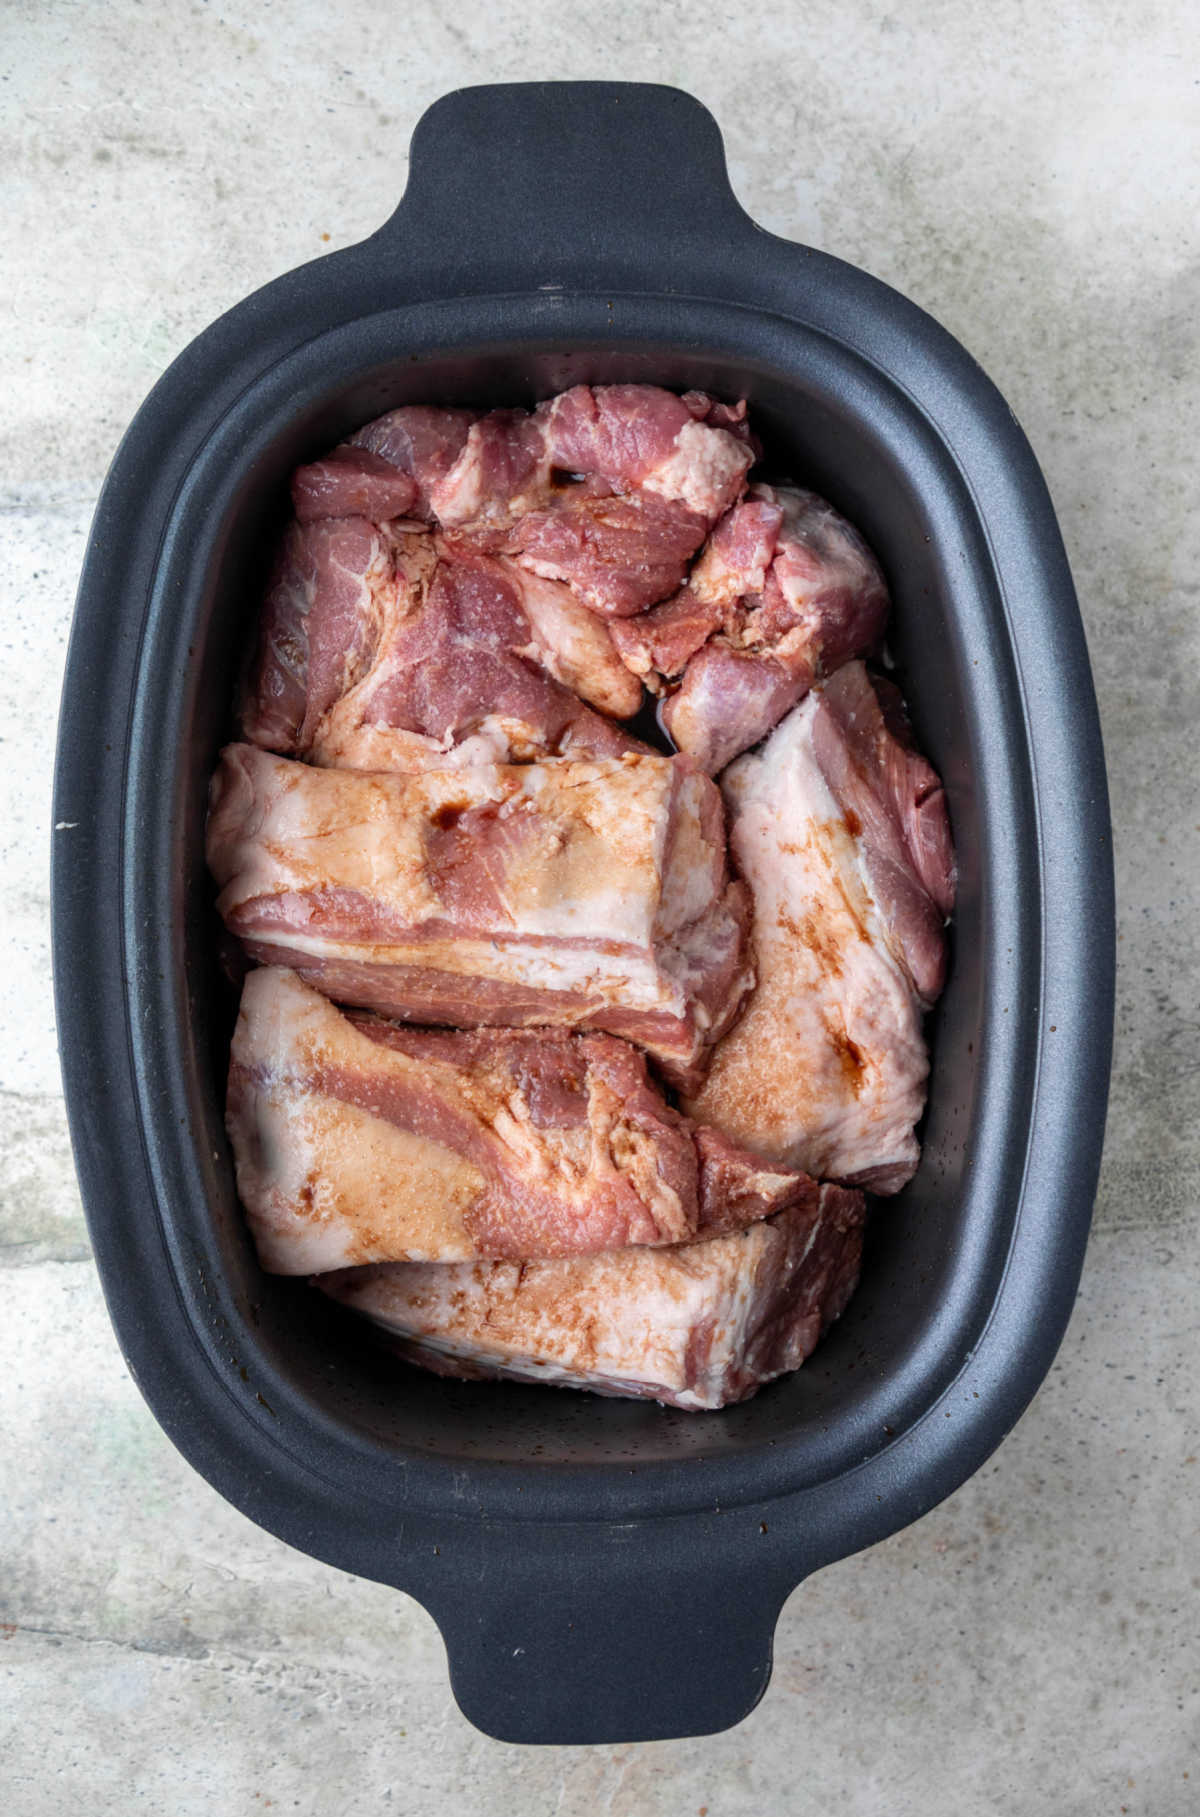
x=341, y=1372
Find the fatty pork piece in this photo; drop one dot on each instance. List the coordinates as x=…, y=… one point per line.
x=784, y=592
x=358, y=1140
x=609, y=488
x=697, y=1326
x=590, y=895
x=383, y=650
x=840, y=829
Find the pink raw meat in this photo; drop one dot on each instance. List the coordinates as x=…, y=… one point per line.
x=784, y=592
x=610, y=488
x=380, y=649
x=351, y=482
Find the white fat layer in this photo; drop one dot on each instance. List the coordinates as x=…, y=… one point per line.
x=627, y=980
x=695, y=864
x=627, y=1316
x=826, y=1068
x=517, y=1368
x=702, y=469
x=691, y=957
x=464, y=496
x=740, y=1315
x=817, y=548
x=325, y=1183
x=372, y=747
x=575, y=645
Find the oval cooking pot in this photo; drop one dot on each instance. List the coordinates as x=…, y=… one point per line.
x=600, y=1570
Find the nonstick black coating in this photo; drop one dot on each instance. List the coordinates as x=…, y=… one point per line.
x=601, y=1569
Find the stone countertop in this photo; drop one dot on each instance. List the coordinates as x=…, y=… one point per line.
x=1030, y=176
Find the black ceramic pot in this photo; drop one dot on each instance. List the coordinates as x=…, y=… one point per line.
x=600, y=1570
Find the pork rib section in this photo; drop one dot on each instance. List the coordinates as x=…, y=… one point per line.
x=784, y=592
x=840, y=829
x=697, y=1326
x=360, y=1140
x=591, y=895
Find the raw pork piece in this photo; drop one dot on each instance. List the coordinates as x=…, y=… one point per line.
x=476, y=661
x=358, y=1140
x=610, y=488
x=383, y=650
x=617, y=554
x=423, y=442
x=697, y=1326
x=332, y=585
x=352, y=482
x=480, y=472
x=784, y=592
x=687, y=450
x=586, y=894
x=840, y=829
x=673, y=471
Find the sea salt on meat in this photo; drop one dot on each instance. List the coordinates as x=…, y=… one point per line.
x=591, y=895
x=841, y=831
x=358, y=1140
x=785, y=591
x=698, y=1326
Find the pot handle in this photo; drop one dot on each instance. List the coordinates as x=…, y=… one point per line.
x=628, y=1649
x=574, y=183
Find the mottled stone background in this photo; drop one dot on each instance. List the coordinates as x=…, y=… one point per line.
x=1029, y=174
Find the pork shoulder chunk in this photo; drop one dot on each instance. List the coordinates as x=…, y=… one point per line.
x=698, y=1325
x=617, y=554
x=352, y=482
x=784, y=592
x=386, y=650
x=651, y=474
x=639, y=437
x=360, y=1140
x=840, y=829
x=610, y=489
x=590, y=895
x=329, y=595
x=420, y=441
x=476, y=660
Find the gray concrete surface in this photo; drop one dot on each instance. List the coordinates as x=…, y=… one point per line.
x=1029, y=174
